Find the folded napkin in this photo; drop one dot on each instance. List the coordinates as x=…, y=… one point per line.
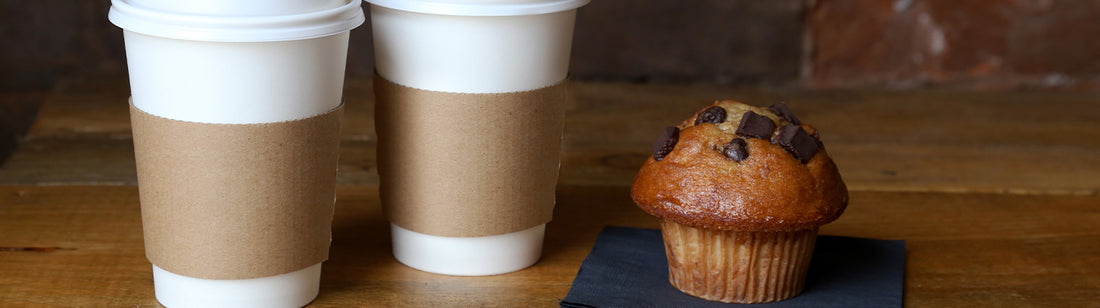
x=627, y=268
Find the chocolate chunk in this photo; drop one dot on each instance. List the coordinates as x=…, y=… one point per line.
x=780, y=109
x=755, y=125
x=797, y=142
x=737, y=150
x=667, y=142
x=714, y=114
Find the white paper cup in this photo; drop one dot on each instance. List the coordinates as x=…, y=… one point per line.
x=236, y=82
x=472, y=54
x=294, y=289
x=472, y=46
x=236, y=62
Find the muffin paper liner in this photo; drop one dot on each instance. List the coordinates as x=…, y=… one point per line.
x=737, y=267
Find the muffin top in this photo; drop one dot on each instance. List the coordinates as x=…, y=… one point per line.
x=733, y=166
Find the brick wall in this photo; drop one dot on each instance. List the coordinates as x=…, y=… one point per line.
x=975, y=44
x=42, y=40
x=963, y=44
x=972, y=44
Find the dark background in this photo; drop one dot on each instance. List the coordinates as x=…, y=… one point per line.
x=983, y=45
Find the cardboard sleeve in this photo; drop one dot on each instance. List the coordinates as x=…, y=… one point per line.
x=465, y=165
x=236, y=201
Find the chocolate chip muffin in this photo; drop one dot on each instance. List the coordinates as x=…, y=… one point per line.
x=740, y=192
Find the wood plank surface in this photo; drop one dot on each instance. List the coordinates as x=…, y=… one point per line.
x=997, y=195
x=1011, y=142
x=82, y=246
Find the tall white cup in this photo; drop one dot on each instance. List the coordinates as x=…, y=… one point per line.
x=472, y=46
x=236, y=62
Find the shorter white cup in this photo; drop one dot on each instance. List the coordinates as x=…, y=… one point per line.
x=472, y=46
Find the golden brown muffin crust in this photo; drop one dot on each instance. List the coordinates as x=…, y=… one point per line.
x=697, y=185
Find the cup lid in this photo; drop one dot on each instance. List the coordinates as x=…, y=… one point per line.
x=222, y=27
x=481, y=7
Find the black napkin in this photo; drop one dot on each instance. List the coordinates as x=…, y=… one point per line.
x=627, y=268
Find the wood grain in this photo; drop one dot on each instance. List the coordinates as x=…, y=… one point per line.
x=995, y=193
x=1022, y=143
x=81, y=246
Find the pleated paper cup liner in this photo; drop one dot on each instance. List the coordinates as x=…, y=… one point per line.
x=737, y=266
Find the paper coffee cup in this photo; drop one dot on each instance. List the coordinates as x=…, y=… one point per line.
x=247, y=85
x=479, y=61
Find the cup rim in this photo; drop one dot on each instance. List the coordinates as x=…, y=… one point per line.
x=130, y=17
x=481, y=7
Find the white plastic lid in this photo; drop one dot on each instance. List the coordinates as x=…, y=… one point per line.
x=234, y=22
x=238, y=8
x=481, y=7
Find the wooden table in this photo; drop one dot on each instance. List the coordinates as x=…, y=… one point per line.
x=996, y=194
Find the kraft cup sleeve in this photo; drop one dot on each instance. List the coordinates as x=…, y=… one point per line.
x=465, y=165
x=236, y=201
